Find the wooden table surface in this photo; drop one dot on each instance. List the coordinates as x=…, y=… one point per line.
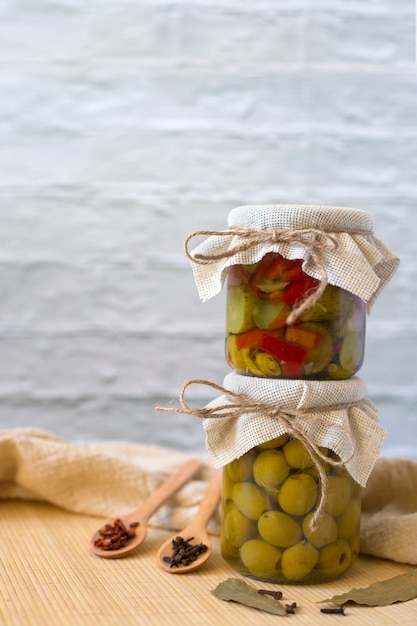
x=49, y=576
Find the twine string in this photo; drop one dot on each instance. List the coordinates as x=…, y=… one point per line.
x=314, y=241
x=242, y=404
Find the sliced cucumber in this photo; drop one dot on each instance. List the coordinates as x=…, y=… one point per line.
x=240, y=302
x=268, y=314
x=350, y=355
x=334, y=303
x=233, y=355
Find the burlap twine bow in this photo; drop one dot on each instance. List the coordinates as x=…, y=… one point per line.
x=244, y=404
x=314, y=242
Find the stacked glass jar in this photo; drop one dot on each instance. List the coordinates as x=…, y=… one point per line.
x=291, y=316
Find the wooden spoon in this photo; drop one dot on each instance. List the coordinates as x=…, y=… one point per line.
x=196, y=531
x=139, y=518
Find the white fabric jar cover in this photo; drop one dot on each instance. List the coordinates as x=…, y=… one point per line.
x=333, y=414
x=353, y=258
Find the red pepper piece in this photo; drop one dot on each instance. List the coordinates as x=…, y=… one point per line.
x=286, y=269
x=296, y=292
x=260, y=270
x=265, y=286
x=252, y=338
x=249, y=339
x=290, y=356
x=292, y=370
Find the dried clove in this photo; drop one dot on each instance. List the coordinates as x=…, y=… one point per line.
x=276, y=595
x=339, y=610
x=115, y=536
x=290, y=608
x=184, y=552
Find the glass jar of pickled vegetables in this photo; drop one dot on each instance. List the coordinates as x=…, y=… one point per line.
x=325, y=342
x=270, y=495
x=300, y=281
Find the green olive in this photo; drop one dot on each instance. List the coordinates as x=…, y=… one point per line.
x=228, y=505
x=298, y=560
x=249, y=499
x=354, y=542
x=335, y=372
x=274, y=443
x=260, y=558
x=296, y=455
x=325, y=532
x=241, y=469
x=270, y=469
x=229, y=552
x=338, y=494
x=335, y=558
x=339, y=470
x=237, y=528
x=314, y=472
x=227, y=486
x=298, y=494
x=279, y=529
x=348, y=521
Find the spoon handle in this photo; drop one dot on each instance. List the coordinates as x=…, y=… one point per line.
x=176, y=480
x=210, y=501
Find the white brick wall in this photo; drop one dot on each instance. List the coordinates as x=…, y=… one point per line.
x=126, y=125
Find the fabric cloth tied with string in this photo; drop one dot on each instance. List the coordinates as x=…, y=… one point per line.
x=330, y=414
x=330, y=240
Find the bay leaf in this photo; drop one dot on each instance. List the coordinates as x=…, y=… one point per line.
x=236, y=590
x=397, y=589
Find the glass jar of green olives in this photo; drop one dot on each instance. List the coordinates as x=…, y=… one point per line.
x=325, y=342
x=295, y=456
x=270, y=495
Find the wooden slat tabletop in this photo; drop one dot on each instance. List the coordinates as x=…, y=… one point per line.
x=49, y=576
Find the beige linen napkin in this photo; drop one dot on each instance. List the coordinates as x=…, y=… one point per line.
x=113, y=478
x=99, y=478
x=389, y=511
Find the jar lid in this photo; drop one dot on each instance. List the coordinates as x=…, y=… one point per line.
x=330, y=240
x=332, y=414
x=285, y=216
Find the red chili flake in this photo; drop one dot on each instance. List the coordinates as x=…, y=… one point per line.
x=115, y=536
